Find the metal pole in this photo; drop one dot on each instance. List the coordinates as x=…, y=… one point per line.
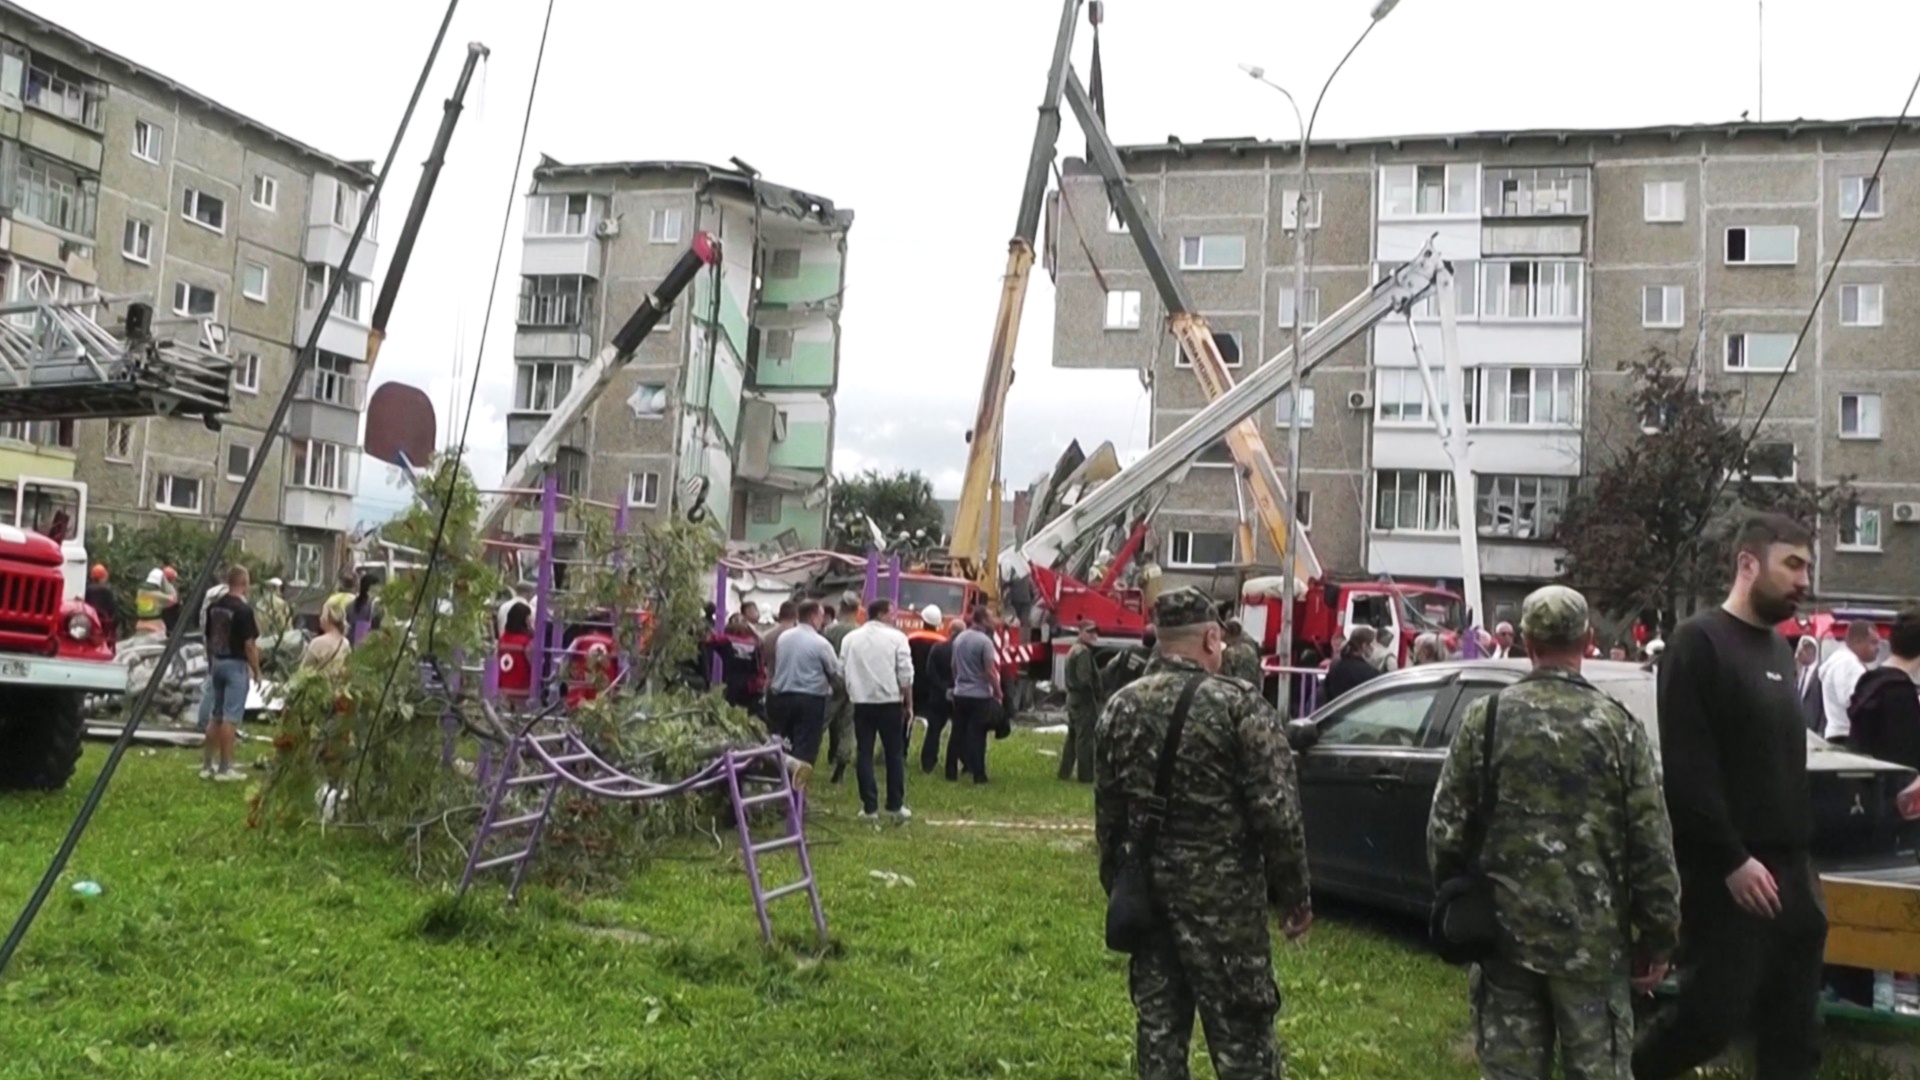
x=1289, y=584
x=873, y=576
x=714, y=673
x=543, y=590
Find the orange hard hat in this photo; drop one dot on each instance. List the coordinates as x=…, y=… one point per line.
x=99, y=571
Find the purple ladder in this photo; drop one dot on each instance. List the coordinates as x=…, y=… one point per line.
x=782, y=792
x=530, y=825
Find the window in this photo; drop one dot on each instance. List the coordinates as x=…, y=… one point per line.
x=1521, y=507
x=253, y=281
x=557, y=300
x=1665, y=201
x=1663, y=306
x=1226, y=341
x=1213, y=252
x=1532, y=289
x=643, y=489
x=765, y=507
x=347, y=202
x=1763, y=245
x=239, y=460
x=65, y=95
x=1860, y=530
x=204, y=209
x=1861, y=305
x=1429, y=190
x=1395, y=719
x=266, y=191
x=664, y=228
x=557, y=215
x=1859, y=196
x=785, y=264
x=119, y=440
x=1123, y=309
x=1525, y=397
x=777, y=345
x=1558, y=191
x=1771, y=462
x=649, y=400
x=1407, y=500
x=1283, y=408
x=55, y=195
x=147, y=141
x=1188, y=548
x=331, y=380
x=1303, y=509
x=319, y=464
x=1400, y=396
x=307, y=567
x=180, y=494
x=1313, y=308
x=1466, y=291
x=246, y=373
x=194, y=301
x=1290, y=209
x=136, y=242
x=542, y=384
x=1859, y=416
x=1759, y=352
x=319, y=281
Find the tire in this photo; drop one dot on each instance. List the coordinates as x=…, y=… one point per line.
x=40, y=739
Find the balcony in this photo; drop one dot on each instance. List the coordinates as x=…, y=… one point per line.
x=328, y=402
x=345, y=332
x=562, y=235
x=557, y=317
x=331, y=218
x=320, y=479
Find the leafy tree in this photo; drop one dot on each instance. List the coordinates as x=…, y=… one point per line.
x=1646, y=529
x=901, y=505
x=183, y=544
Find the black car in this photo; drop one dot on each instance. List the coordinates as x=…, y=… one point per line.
x=1370, y=760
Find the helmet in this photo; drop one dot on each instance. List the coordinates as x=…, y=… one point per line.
x=99, y=572
x=930, y=615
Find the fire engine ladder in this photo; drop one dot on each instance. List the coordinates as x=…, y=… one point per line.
x=58, y=363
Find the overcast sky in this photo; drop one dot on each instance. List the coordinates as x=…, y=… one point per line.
x=919, y=116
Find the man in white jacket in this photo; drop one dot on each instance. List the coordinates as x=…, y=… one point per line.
x=1841, y=672
x=879, y=673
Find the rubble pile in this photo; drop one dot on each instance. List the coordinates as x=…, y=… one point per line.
x=176, y=703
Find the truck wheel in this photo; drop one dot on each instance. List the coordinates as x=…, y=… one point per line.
x=40, y=739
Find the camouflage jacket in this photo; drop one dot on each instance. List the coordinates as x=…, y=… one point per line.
x=1083, y=678
x=1579, y=846
x=1123, y=668
x=1241, y=660
x=835, y=634
x=1232, y=843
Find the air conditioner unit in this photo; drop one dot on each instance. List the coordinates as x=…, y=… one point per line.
x=1906, y=513
x=1359, y=399
x=608, y=227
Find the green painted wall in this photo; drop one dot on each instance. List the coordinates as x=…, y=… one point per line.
x=733, y=315
x=816, y=281
x=810, y=367
x=810, y=524
x=16, y=462
x=805, y=446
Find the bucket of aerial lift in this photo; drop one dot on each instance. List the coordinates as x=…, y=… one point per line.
x=400, y=425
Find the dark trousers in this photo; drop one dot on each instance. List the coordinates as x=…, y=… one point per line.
x=972, y=719
x=888, y=721
x=1741, y=973
x=800, y=719
x=939, y=718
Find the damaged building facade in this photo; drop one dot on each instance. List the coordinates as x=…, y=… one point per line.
x=1575, y=254
x=729, y=404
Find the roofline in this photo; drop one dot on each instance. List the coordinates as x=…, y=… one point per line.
x=361, y=171
x=1786, y=129
x=745, y=184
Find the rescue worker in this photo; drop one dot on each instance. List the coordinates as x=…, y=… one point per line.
x=1127, y=665
x=276, y=615
x=99, y=596
x=840, y=708
x=1230, y=846
x=1241, y=660
x=1083, y=706
x=1580, y=851
x=150, y=603
x=170, y=606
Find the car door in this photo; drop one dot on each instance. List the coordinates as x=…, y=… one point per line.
x=1423, y=770
x=1366, y=822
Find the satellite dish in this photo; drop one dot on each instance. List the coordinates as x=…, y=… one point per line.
x=400, y=425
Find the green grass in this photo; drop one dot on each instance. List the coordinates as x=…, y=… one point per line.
x=215, y=951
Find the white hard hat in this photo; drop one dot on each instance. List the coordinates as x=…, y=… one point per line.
x=156, y=578
x=930, y=614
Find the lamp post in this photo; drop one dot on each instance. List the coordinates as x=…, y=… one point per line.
x=1301, y=201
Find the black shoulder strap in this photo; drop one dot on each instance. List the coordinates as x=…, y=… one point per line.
x=1487, y=786
x=1163, y=779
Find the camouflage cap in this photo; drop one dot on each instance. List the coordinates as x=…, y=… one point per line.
x=1183, y=607
x=1554, y=615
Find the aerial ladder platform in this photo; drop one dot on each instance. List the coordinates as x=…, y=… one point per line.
x=59, y=362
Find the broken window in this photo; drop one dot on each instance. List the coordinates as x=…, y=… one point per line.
x=1522, y=507
x=764, y=507
x=777, y=345
x=785, y=264
x=1771, y=461
x=648, y=400
x=1554, y=191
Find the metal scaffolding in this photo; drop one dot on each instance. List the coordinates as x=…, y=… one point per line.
x=58, y=362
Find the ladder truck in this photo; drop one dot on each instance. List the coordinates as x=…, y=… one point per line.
x=58, y=363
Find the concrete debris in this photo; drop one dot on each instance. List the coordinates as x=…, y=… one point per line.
x=176, y=702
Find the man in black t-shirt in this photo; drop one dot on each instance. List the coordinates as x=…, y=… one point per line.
x=1734, y=749
x=232, y=636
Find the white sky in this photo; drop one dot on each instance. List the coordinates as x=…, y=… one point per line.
x=919, y=116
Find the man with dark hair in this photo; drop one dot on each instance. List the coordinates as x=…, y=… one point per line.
x=1886, y=705
x=976, y=691
x=1840, y=674
x=1806, y=674
x=1735, y=751
x=879, y=682
x=233, y=662
x=840, y=709
x=803, y=681
x=783, y=620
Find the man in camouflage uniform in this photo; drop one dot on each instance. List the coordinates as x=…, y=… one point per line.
x=1231, y=847
x=840, y=707
x=1580, y=852
x=1241, y=660
x=1083, y=706
x=1128, y=664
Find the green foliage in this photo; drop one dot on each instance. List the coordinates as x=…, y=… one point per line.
x=181, y=543
x=901, y=505
x=1647, y=528
x=664, y=569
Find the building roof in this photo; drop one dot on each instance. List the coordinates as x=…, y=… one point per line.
x=356, y=170
x=737, y=181
x=1785, y=129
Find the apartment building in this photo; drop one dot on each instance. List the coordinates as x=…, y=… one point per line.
x=117, y=181
x=1575, y=254
x=728, y=407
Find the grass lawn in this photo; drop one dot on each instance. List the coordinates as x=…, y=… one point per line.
x=215, y=951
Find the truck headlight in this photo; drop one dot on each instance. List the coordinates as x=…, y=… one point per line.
x=79, y=627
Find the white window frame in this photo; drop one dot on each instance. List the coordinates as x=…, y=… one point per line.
x=1313, y=307
x=1290, y=208
x=1239, y=351
x=1792, y=476
x=538, y=207
x=123, y=452
x=1852, y=188
x=638, y=494
x=1862, y=430
x=542, y=395
x=1127, y=305
x=246, y=269
x=1673, y=307
x=1862, y=316
x=1423, y=480
x=1658, y=199
x=150, y=138
x=1180, y=548
x=664, y=225
x=1405, y=377
x=266, y=192
x=307, y=565
x=1460, y=183
x=246, y=372
x=1548, y=496
x=1541, y=293
x=165, y=504
x=183, y=301
x=320, y=457
x=1745, y=351
x=1198, y=253
x=1747, y=231
x=136, y=241
x=1869, y=531
x=227, y=462
x=1491, y=384
x=190, y=201
x=1283, y=411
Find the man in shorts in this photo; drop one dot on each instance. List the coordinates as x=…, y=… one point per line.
x=233, y=663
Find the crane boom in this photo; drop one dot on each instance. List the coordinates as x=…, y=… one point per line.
x=587, y=387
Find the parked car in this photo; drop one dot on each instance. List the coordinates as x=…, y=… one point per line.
x=1370, y=760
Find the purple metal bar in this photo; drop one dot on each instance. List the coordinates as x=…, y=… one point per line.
x=893, y=580
x=543, y=590
x=873, y=576
x=714, y=673
x=620, y=521
x=1470, y=644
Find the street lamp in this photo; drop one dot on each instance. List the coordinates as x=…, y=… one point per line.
x=1289, y=583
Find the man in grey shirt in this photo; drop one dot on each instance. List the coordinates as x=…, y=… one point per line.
x=976, y=690
x=804, y=673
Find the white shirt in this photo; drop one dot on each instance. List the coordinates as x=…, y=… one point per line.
x=1838, y=676
x=878, y=662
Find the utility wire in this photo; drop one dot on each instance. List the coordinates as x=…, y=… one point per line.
x=302, y=364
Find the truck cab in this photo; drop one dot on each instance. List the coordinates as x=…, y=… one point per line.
x=1323, y=612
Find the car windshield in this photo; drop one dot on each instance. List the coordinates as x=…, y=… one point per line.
x=1638, y=695
x=1431, y=611
x=948, y=596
